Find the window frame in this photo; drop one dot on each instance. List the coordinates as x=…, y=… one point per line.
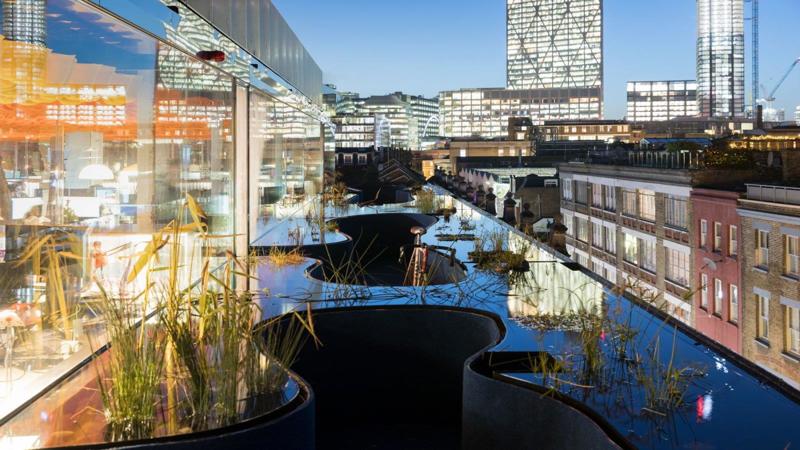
x=733, y=241
x=791, y=261
x=719, y=297
x=762, y=318
x=761, y=244
x=704, y=291
x=717, y=242
x=703, y=233
x=733, y=303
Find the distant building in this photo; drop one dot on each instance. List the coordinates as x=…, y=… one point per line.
x=653, y=101
x=720, y=58
x=543, y=53
x=797, y=115
x=464, y=148
x=585, y=130
x=408, y=118
x=485, y=112
x=362, y=131
x=786, y=137
x=553, y=71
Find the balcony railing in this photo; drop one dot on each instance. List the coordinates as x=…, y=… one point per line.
x=774, y=194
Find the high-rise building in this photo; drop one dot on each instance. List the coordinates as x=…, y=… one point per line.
x=797, y=114
x=720, y=58
x=654, y=101
x=555, y=44
x=24, y=21
x=554, y=71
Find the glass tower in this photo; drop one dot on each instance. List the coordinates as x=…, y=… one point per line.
x=554, y=44
x=24, y=21
x=720, y=58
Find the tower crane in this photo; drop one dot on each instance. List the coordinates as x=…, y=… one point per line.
x=770, y=99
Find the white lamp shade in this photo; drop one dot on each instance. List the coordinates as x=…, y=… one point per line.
x=96, y=172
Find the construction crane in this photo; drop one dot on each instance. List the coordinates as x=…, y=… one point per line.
x=770, y=99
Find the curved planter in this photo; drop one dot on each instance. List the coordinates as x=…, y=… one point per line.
x=290, y=427
x=395, y=377
x=504, y=413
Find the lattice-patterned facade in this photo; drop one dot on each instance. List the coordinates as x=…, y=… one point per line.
x=554, y=44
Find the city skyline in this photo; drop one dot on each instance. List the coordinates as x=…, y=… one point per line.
x=396, y=50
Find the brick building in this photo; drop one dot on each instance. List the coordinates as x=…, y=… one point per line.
x=633, y=225
x=770, y=220
x=717, y=302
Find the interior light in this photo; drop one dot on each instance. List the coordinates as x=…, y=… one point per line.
x=96, y=172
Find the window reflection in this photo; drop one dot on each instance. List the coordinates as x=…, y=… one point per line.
x=103, y=132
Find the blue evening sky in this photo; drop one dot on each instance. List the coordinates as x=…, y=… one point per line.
x=425, y=46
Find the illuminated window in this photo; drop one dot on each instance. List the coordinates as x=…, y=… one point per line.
x=791, y=256
x=629, y=202
x=718, y=296
x=677, y=267
x=762, y=248
x=762, y=324
x=675, y=211
x=792, y=331
x=717, y=237
x=631, y=249
x=733, y=303
x=704, y=291
x=648, y=255
x=703, y=233
x=597, y=195
x=647, y=205
x=733, y=240
x=610, y=193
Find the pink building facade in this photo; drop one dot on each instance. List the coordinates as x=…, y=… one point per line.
x=718, y=299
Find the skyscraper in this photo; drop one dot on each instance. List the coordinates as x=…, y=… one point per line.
x=720, y=58
x=554, y=44
x=554, y=71
x=24, y=21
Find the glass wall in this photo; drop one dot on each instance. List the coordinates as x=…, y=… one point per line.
x=104, y=132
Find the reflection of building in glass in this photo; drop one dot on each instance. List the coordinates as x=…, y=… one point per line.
x=720, y=57
x=653, y=101
x=24, y=21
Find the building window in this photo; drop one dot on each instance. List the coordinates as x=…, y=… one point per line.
x=791, y=256
x=718, y=297
x=648, y=257
x=677, y=267
x=704, y=291
x=733, y=303
x=647, y=205
x=792, y=330
x=611, y=240
x=717, y=237
x=610, y=193
x=762, y=249
x=597, y=195
x=675, y=211
x=597, y=235
x=733, y=241
x=348, y=160
x=582, y=226
x=629, y=202
x=362, y=160
x=631, y=249
x=462, y=153
x=762, y=325
x=567, y=190
x=703, y=233
x=581, y=192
